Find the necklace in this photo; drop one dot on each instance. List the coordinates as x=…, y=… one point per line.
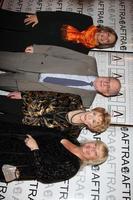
x=70, y=120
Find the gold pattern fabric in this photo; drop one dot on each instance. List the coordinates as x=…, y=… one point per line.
x=50, y=109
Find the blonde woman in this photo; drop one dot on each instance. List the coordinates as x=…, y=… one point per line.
x=49, y=158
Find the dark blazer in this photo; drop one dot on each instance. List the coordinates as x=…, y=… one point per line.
x=49, y=59
x=16, y=36
x=50, y=164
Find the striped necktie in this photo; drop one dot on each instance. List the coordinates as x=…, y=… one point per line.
x=66, y=81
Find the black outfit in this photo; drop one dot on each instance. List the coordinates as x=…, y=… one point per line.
x=11, y=110
x=51, y=163
x=16, y=36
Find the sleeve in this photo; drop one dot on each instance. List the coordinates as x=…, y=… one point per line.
x=48, y=172
x=69, y=46
x=32, y=95
x=72, y=101
x=45, y=49
x=74, y=51
x=80, y=21
x=12, y=20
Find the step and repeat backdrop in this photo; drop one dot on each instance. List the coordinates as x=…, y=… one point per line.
x=114, y=179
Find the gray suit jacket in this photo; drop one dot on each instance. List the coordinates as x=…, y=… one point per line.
x=47, y=59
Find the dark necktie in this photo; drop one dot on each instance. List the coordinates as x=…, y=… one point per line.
x=66, y=81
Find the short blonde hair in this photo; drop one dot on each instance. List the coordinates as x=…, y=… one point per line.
x=105, y=152
x=105, y=122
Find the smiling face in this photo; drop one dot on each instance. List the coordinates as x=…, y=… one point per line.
x=105, y=37
x=108, y=86
x=91, y=119
x=92, y=151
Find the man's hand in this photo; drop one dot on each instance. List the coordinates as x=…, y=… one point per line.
x=29, y=49
x=31, y=143
x=31, y=19
x=14, y=95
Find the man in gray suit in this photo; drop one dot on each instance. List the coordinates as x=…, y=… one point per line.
x=24, y=72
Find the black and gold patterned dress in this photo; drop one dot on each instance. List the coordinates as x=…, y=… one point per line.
x=50, y=109
x=42, y=109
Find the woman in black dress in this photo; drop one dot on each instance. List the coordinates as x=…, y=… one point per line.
x=67, y=29
x=47, y=157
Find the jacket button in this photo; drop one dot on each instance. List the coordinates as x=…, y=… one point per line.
x=42, y=63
